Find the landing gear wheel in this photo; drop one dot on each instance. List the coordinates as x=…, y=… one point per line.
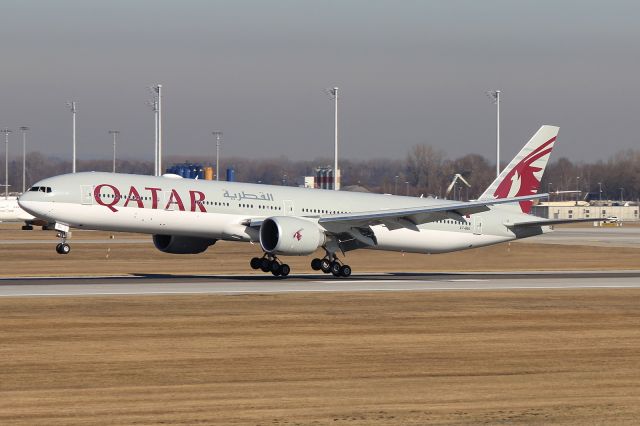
x=63, y=248
x=284, y=270
x=27, y=228
x=345, y=271
x=276, y=272
x=265, y=265
x=325, y=265
x=255, y=263
x=335, y=268
x=316, y=264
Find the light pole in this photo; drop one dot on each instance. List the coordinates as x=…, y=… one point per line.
x=495, y=95
x=396, y=191
x=407, y=183
x=72, y=106
x=24, y=157
x=154, y=106
x=621, y=191
x=578, y=187
x=549, y=190
x=115, y=135
x=218, y=136
x=336, y=178
x=158, y=90
x=600, y=190
x=6, y=162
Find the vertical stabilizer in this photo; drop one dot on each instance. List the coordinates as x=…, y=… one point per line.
x=524, y=173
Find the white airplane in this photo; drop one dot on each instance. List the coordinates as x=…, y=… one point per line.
x=10, y=211
x=187, y=216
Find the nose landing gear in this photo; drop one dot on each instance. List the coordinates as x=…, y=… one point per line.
x=63, y=233
x=270, y=263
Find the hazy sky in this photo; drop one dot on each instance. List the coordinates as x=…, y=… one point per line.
x=409, y=72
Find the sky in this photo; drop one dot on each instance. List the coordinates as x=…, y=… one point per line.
x=408, y=72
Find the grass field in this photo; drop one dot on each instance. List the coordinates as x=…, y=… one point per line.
x=535, y=357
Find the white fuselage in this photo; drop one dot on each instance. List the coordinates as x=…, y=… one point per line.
x=222, y=210
x=10, y=211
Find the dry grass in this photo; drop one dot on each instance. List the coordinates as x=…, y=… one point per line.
x=534, y=357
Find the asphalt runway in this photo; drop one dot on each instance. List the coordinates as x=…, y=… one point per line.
x=257, y=284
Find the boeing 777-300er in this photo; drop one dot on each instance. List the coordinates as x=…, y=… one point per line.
x=187, y=216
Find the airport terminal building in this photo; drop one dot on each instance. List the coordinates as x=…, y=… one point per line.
x=626, y=211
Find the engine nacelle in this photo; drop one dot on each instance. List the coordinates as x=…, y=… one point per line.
x=176, y=244
x=290, y=236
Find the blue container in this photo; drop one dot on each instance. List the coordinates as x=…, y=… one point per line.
x=201, y=172
x=231, y=175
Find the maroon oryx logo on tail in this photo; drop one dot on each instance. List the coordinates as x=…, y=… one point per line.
x=298, y=234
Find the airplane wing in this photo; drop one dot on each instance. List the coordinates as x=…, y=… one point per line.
x=408, y=217
x=411, y=217
x=548, y=222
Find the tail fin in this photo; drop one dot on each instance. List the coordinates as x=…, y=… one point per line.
x=523, y=174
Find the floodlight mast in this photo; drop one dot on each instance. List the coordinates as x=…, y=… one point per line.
x=115, y=134
x=495, y=95
x=6, y=162
x=72, y=106
x=159, y=100
x=154, y=106
x=218, y=136
x=24, y=157
x=336, y=182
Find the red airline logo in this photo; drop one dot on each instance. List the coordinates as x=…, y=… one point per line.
x=524, y=172
x=298, y=234
x=112, y=196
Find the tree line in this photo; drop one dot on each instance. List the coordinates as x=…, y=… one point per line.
x=424, y=171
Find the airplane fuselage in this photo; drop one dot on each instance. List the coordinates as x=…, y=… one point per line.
x=222, y=210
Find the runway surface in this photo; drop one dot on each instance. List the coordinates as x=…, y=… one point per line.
x=237, y=285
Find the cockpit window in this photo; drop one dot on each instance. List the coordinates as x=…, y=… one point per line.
x=46, y=189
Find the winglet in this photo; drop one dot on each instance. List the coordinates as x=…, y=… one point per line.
x=524, y=173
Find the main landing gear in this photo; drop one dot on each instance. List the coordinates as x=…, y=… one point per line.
x=270, y=263
x=331, y=264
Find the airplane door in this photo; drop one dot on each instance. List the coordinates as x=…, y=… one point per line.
x=288, y=208
x=86, y=196
x=477, y=224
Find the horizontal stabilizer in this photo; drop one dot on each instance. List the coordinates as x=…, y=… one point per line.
x=549, y=222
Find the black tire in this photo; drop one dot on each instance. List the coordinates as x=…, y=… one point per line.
x=284, y=270
x=316, y=264
x=27, y=228
x=345, y=271
x=325, y=266
x=265, y=264
x=335, y=268
x=275, y=266
x=58, y=248
x=276, y=272
x=255, y=263
x=65, y=248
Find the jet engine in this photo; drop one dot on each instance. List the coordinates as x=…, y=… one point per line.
x=176, y=244
x=290, y=236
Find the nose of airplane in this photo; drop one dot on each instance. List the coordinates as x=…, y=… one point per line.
x=34, y=203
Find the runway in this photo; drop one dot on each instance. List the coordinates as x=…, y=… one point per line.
x=238, y=285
